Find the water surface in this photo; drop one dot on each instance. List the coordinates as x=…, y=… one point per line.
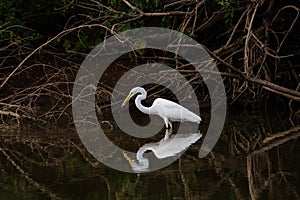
x=257, y=157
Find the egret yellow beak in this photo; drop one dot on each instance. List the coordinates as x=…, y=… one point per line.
x=126, y=100
x=128, y=159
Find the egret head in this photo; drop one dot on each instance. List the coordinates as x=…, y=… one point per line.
x=139, y=165
x=133, y=92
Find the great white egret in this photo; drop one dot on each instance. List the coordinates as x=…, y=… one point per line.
x=162, y=149
x=168, y=110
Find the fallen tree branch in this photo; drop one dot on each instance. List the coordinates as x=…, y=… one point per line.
x=272, y=87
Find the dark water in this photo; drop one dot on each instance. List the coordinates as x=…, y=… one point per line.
x=257, y=157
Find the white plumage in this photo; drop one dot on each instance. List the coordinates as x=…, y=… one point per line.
x=163, y=149
x=168, y=110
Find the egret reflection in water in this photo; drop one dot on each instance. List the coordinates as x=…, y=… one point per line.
x=166, y=147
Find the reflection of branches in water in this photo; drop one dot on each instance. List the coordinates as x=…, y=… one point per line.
x=225, y=176
x=39, y=150
x=259, y=182
x=243, y=141
x=263, y=169
x=187, y=194
x=22, y=152
x=28, y=178
x=263, y=166
x=247, y=133
x=259, y=159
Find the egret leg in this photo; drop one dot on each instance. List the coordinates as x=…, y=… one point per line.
x=168, y=128
x=170, y=123
x=167, y=123
x=167, y=135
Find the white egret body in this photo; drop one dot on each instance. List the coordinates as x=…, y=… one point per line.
x=168, y=110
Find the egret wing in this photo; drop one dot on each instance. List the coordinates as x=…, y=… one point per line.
x=173, y=111
x=175, y=144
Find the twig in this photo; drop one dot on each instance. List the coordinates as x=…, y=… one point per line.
x=246, y=48
x=292, y=25
x=65, y=32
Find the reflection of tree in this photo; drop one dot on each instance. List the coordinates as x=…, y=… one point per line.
x=24, y=153
x=27, y=177
x=256, y=163
x=258, y=168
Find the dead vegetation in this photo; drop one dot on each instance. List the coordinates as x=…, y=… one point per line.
x=254, y=44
